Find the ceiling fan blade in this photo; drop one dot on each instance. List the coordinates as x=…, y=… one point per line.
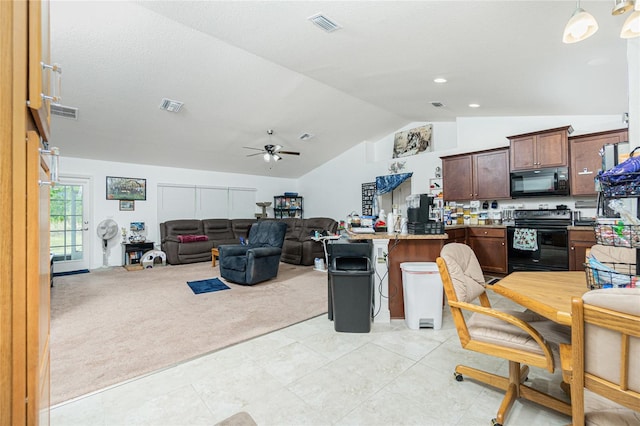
x=257, y=149
x=257, y=153
x=289, y=152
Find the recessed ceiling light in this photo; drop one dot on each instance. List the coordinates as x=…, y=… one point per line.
x=439, y=80
x=474, y=105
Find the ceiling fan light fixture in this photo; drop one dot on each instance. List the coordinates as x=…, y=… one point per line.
x=266, y=157
x=581, y=26
x=276, y=157
x=631, y=27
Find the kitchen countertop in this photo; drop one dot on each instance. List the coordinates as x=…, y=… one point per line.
x=396, y=236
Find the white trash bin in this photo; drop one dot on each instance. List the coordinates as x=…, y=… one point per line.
x=422, y=295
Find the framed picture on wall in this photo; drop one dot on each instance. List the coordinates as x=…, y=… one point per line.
x=123, y=188
x=414, y=141
x=127, y=205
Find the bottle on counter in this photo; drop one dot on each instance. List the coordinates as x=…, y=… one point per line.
x=390, y=223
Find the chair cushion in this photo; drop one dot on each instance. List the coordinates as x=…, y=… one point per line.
x=600, y=411
x=602, y=346
x=493, y=330
x=465, y=271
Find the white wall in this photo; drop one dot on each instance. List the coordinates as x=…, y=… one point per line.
x=146, y=211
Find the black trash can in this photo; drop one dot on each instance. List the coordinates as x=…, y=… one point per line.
x=351, y=280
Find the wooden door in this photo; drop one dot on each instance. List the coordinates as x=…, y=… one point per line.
x=24, y=272
x=457, y=178
x=491, y=175
x=38, y=284
x=40, y=87
x=586, y=161
x=551, y=149
x=579, y=242
x=523, y=153
x=490, y=247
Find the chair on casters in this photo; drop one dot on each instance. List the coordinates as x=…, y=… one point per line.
x=257, y=261
x=606, y=357
x=519, y=337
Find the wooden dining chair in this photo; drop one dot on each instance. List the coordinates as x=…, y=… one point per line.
x=605, y=345
x=522, y=338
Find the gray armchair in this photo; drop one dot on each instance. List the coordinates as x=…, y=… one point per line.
x=257, y=261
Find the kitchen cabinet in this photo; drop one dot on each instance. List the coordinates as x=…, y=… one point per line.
x=546, y=148
x=456, y=235
x=585, y=160
x=579, y=242
x=490, y=247
x=481, y=175
x=285, y=206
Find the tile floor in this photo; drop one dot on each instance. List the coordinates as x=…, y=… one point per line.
x=308, y=374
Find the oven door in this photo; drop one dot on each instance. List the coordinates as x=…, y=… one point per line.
x=549, y=252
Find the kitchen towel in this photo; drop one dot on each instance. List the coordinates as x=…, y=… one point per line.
x=525, y=239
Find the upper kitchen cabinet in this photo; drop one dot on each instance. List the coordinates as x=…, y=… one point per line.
x=546, y=148
x=586, y=160
x=44, y=77
x=481, y=175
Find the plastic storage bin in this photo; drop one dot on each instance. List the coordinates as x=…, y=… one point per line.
x=422, y=295
x=351, y=281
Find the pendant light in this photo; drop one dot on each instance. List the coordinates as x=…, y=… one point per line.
x=631, y=27
x=620, y=7
x=582, y=25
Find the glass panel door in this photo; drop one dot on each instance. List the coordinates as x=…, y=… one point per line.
x=69, y=226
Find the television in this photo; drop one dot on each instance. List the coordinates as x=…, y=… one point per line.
x=136, y=226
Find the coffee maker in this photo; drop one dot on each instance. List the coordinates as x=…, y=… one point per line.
x=418, y=208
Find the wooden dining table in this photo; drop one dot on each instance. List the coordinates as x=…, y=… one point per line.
x=546, y=293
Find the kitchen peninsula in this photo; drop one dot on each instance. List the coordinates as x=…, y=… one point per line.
x=389, y=251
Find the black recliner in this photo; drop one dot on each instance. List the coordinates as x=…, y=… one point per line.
x=258, y=260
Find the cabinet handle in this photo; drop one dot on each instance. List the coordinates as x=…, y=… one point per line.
x=573, y=248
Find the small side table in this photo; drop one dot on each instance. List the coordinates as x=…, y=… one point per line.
x=214, y=254
x=132, y=252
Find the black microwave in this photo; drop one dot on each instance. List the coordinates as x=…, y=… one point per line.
x=540, y=182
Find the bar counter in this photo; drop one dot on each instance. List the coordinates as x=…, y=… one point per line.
x=397, y=248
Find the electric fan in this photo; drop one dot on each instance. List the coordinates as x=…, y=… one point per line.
x=107, y=229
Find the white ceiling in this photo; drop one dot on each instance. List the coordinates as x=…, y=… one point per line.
x=244, y=67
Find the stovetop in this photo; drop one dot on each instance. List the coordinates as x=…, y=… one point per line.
x=543, y=214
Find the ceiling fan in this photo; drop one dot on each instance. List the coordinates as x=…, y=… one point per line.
x=271, y=151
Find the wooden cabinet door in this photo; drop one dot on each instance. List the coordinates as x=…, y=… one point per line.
x=551, y=149
x=490, y=247
x=523, y=153
x=457, y=235
x=586, y=161
x=579, y=242
x=39, y=78
x=457, y=178
x=491, y=175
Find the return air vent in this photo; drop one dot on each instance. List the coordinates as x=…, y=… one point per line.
x=64, y=111
x=325, y=23
x=437, y=104
x=170, y=105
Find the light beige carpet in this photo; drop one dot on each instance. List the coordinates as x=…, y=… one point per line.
x=112, y=325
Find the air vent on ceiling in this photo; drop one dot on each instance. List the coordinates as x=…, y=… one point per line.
x=437, y=104
x=323, y=22
x=170, y=105
x=305, y=136
x=64, y=111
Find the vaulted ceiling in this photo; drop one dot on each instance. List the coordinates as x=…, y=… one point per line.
x=244, y=67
